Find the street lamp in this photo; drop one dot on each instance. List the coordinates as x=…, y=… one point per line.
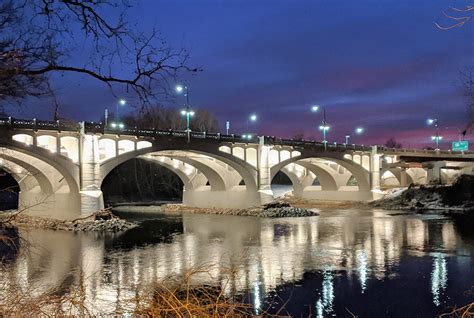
x=116, y=123
x=121, y=102
x=324, y=124
x=252, y=118
x=437, y=137
x=186, y=112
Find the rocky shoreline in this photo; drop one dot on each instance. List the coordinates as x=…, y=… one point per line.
x=457, y=198
x=277, y=209
x=102, y=221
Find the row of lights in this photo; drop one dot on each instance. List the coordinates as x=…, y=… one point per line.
x=324, y=127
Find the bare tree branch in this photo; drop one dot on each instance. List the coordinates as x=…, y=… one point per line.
x=38, y=37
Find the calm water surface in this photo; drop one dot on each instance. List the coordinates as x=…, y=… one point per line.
x=371, y=263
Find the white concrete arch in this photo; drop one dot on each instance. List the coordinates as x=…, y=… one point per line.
x=22, y=177
x=57, y=194
x=65, y=171
x=325, y=178
x=27, y=175
x=216, y=180
x=246, y=171
x=361, y=175
x=189, y=181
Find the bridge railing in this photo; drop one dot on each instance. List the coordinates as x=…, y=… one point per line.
x=422, y=151
x=312, y=143
x=35, y=124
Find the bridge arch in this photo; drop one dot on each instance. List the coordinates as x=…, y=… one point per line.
x=47, y=182
x=359, y=173
x=245, y=170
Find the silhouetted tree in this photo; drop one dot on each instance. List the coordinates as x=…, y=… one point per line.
x=170, y=118
x=392, y=143
x=37, y=39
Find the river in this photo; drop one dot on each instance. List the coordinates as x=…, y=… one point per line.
x=365, y=262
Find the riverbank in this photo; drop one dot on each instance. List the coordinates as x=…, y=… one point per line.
x=102, y=221
x=457, y=198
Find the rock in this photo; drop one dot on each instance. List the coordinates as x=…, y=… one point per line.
x=276, y=204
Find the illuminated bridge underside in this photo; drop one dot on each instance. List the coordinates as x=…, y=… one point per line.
x=60, y=171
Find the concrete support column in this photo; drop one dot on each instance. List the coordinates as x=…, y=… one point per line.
x=404, y=178
x=58, y=144
x=375, y=173
x=264, y=180
x=374, y=169
x=91, y=194
x=434, y=172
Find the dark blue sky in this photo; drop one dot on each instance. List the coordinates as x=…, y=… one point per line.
x=379, y=64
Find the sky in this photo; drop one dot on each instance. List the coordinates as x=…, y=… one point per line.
x=377, y=64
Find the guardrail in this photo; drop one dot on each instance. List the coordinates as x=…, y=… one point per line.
x=92, y=127
x=35, y=124
x=271, y=140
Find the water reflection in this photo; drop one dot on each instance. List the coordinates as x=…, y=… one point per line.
x=326, y=296
x=439, y=278
x=364, y=246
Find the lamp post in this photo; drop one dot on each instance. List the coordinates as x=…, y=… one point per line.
x=115, y=124
x=436, y=137
x=120, y=102
x=186, y=112
x=324, y=124
x=347, y=139
x=252, y=118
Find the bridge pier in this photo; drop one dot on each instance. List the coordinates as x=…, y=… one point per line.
x=264, y=183
x=92, y=199
x=237, y=197
x=433, y=175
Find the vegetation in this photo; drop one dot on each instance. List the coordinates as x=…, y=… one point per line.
x=39, y=39
x=174, y=296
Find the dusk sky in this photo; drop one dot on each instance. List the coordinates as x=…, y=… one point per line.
x=382, y=65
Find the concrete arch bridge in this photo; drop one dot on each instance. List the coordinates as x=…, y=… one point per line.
x=60, y=167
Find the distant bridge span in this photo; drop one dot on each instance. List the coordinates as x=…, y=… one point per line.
x=60, y=167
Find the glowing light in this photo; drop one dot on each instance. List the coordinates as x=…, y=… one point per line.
x=430, y=121
x=362, y=268
x=122, y=102
x=179, y=88
x=439, y=278
x=121, y=125
x=114, y=125
x=191, y=113
x=324, y=127
x=183, y=112
x=253, y=117
x=359, y=130
x=436, y=137
x=314, y=108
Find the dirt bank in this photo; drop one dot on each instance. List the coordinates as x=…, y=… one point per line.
x=455, y=198
x=102, y=221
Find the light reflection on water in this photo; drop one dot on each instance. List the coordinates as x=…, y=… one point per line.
x=356, y=251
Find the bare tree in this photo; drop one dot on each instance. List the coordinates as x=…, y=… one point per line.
x=392, y=143
x=170, y=118
x=38, y=38
x=457, y=17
